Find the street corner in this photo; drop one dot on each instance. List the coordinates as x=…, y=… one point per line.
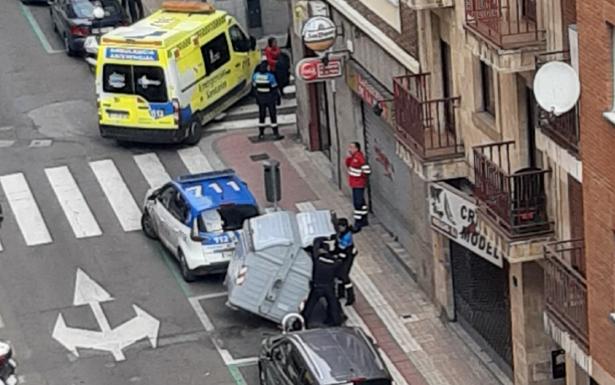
x=238, y=152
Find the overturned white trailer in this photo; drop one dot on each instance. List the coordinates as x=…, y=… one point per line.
x=270, y=271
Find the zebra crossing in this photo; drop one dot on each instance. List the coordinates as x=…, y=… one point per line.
x=64, y=184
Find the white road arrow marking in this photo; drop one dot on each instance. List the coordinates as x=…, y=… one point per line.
x=88, y=291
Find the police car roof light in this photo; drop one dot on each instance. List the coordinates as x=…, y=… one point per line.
x=207, y=175
x=188, y=6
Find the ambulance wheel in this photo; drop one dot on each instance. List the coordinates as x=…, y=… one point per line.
x=195, y=131
x=186, y=273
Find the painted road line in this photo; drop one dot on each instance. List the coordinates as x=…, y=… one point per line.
x=118, y=195
x=74, y=205
x=248, y=361
x=1, y=322
x=194, y=160
x=152, y=169
x=305, y=206
x=37, y=31
x=242, y=124
x=210, y=296
x=25, y=209
x=200, y=313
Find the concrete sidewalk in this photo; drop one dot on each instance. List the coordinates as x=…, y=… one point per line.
x=423, y=349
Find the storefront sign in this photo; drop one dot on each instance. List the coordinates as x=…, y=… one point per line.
x=363, y=87
x=319, y=33
x=455, y=216
x=314, y=70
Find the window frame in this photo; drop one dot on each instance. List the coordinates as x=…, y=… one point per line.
x=246, y=39
x=205, y=50
x=487, y=87
x=132, y=81
x=162, y=193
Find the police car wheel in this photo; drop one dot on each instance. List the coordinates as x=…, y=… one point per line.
x=194, y=131
x=148, y=226
x=186, y=273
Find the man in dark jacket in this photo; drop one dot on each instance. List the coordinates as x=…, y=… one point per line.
x=324, y=271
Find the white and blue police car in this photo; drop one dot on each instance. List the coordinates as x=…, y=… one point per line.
x=197, y=218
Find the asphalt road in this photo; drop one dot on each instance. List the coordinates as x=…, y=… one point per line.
x=48, y=120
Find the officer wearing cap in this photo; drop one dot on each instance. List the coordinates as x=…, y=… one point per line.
x=325, y=269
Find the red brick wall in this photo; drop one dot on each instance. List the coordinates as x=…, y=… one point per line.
x=407, y=39
x=569, y=16
x=598, y=142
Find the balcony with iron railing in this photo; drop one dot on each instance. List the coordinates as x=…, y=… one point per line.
x=517, y=202
x=426, y=126
x=562, y=129
x=566, y=288
x=508, y=24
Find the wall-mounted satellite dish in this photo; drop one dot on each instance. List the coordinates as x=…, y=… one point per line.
x=557, y=87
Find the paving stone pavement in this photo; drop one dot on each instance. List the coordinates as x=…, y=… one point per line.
x=434, y=349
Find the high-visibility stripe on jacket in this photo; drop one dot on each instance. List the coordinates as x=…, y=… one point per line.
x=264, y=82
x=358, y=170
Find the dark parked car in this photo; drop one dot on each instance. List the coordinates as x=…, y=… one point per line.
x=331, y=356
x=73, y=20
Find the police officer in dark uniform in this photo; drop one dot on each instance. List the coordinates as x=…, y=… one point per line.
x=346, y=253
x=325, y=269
x=267, y=97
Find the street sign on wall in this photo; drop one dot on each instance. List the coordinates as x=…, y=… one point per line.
x=454, y=216
x=314, y=70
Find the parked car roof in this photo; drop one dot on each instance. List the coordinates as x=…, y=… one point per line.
x=340, y=354
x=214, y=189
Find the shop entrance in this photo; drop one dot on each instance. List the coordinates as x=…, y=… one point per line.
x=482, y=303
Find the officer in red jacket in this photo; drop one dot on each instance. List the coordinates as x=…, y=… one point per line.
x=358, y=172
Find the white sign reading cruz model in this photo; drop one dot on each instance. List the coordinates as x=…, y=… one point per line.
x=455, y=216
x=319, y=33
x=88, y=292
x=557, y=87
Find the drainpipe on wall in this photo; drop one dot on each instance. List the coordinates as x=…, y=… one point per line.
x=337, y=137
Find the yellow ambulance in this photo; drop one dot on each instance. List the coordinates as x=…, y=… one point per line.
x=161, y=79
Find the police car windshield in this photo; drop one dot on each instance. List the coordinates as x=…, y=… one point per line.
x=145, y=81
x=225, y=218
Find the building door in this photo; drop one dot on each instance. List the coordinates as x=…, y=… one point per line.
x=255, y=20
x=482, y=303
x=324, y=132
x=390, y=183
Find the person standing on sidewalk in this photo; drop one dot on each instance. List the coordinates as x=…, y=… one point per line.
x=358, y=173
x=272, y=53
x=267, y=97
x=346, y=253
x=324, y=270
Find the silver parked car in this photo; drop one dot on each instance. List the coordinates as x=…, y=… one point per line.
x=271, y=268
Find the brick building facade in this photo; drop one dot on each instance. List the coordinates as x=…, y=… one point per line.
x=596, y=62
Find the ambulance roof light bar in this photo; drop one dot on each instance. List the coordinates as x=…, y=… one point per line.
x=188, y=6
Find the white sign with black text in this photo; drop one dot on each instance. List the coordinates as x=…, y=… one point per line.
x=454, y=216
